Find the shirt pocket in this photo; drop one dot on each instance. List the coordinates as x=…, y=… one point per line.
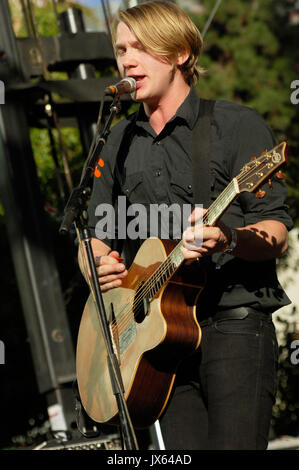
x=133, y=188
x=181, y=188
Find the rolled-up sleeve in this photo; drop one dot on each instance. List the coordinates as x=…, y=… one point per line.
x=253, y=137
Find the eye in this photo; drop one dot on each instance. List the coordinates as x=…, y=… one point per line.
x=120, y=51
x=140, y=47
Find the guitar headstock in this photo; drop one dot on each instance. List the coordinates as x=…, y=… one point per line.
x=255, y=172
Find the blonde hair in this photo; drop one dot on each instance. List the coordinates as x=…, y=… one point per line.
x=165, y=30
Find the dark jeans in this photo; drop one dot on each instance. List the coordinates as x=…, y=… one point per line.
x=224, y=393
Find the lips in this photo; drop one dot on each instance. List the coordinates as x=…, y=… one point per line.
x=139, y=80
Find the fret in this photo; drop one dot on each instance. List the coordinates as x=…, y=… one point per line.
x=168, y=271
x=164, y=272
x=163, y=278
x=176, y=257
x=151, y=292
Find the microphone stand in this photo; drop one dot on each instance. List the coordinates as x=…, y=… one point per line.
x=76, y=213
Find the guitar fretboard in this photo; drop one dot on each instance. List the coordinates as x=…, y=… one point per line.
x=219, y=206
x=164, y=272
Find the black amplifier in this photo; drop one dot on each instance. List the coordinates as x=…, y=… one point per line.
x=109, y=442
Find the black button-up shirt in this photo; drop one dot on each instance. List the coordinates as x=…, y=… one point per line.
x=157, y=169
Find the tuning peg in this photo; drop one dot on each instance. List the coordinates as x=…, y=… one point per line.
x=270, y=183
x=260, y=194
x=280, y=175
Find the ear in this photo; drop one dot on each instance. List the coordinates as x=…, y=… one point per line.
x=183, y=56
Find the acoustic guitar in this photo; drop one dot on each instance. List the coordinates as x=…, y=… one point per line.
x=152, y=317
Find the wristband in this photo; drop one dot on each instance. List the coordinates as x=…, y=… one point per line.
x=233, y=242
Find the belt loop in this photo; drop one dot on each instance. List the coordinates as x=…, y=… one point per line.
x=206, y=322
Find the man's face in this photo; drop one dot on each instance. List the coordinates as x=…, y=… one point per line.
x=153, y=75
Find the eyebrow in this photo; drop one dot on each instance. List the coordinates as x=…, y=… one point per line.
x=121, y=45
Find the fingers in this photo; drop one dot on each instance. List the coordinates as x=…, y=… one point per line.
x=191, y=254
x=110, y=270
x=115, y=254
x=193, y=237
x=202, y=240
x=111, y=281
x=197, y=214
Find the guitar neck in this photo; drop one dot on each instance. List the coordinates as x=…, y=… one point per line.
x=176, y=257
x=223, y=201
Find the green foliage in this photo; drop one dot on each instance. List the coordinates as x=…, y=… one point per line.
x=50, y=173
x=45, y=18
x=245, y=61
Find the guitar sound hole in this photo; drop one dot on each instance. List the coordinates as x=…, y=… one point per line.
x=141, y=304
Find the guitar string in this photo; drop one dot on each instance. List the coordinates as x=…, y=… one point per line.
x=167, y=264
x=164, y=267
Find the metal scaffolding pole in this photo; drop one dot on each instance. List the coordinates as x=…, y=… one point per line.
x=32, y=252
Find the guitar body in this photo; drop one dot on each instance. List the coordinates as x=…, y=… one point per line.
x=149, y=340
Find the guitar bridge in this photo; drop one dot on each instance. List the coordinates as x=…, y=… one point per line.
x=127, y=336
x=121, y=339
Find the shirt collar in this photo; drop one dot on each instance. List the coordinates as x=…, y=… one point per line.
x=188, y=111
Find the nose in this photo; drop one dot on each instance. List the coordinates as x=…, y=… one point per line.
x=128, y=60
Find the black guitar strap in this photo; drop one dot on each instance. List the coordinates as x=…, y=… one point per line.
x=201, y=150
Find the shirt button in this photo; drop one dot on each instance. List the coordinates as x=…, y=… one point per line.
x=158, y=173
x=189, y=186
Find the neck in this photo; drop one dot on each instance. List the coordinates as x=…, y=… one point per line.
x=161, y=111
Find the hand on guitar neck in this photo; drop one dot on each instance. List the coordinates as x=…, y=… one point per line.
x=200, y=240
x=264, y=240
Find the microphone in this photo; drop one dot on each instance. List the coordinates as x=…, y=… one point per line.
x=126, y=85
